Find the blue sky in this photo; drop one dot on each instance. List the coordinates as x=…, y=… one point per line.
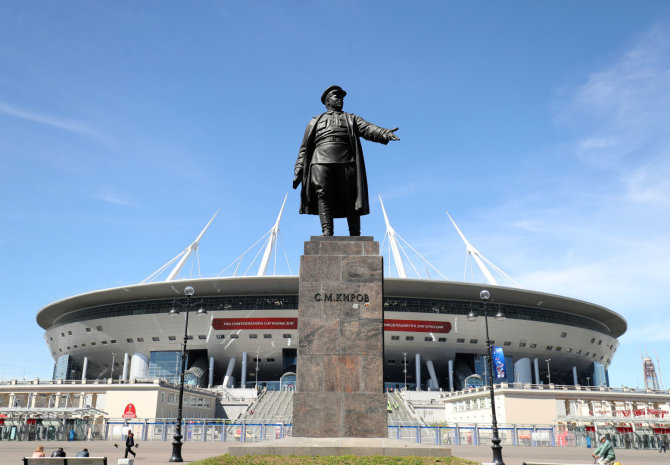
x=541, y=126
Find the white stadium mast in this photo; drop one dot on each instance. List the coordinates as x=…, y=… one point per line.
x=183, y=256
x=272, y=241
x=397, y=251
x=481, y=260
x=393, y=242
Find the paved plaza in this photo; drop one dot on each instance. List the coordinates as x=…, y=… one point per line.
x=154, y=453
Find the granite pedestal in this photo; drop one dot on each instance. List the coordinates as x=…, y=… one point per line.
x=340, y=379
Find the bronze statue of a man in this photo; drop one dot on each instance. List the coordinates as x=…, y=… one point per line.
x=330, y=164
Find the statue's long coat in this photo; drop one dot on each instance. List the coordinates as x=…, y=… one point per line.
x=357, y=128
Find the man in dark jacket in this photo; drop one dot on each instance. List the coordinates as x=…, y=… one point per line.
x=130, y=442
x=330, y=164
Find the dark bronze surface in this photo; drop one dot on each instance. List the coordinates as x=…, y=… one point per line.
x=330, y=164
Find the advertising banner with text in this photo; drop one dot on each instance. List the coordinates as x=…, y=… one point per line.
x=254, y=323
x=417, y=326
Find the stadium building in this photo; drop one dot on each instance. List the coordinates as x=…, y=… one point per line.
x=248, y=335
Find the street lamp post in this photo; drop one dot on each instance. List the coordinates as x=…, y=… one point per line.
x=113, y=360
x=176, y=443
x=485, y=295
x=548, y=371
x=256, y=369
x=404, y=370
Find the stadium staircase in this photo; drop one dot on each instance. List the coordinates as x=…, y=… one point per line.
x=271, y=406
x=402, y=411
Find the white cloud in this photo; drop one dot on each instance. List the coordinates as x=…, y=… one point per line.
x=56, y=122
x=115, y=197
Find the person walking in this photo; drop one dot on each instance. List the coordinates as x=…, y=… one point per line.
x=130, y=442
x=661, y=446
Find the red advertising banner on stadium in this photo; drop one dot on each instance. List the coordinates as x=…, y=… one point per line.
x=254, y=323
x=417, y=326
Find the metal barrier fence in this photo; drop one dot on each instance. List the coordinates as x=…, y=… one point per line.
x=198, y=430
x=210, y=430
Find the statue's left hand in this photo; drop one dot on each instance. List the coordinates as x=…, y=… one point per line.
x=391, y=134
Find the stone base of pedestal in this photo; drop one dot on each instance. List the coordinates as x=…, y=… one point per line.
x=340, y=379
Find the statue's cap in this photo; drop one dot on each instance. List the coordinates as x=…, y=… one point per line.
x=329, y=90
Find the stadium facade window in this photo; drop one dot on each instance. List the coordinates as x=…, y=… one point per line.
x=83, y=344
x=267, y=336
x=507, y=343
x=429, y=339
x=442, y=339
x=550, y=347
x=236, y=336
x=474, y=341
x=165, y=365
x=253, y=336
x=593, y=339
x=395, y=338
x=460, y=340
x=130, y=340
x=522, y=344
x=409, y=338
x=390, y=362
x=112, y=341
x=69, y=333
x=564, y=334
x=155, y=338
x=172, y=338
x=558, y=348
x=220, y=336
x=92, y=343
x=532, y=346
x=104, y=343
x=202, y=336
x=88, y=330
x=98, y=328
x=62, y=334
x=270, y=360
x=189, y=338
x=75, y=346
x=286, y=336
x=140, y=339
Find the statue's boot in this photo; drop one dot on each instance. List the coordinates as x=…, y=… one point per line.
x=326, y=218
x=354, y=222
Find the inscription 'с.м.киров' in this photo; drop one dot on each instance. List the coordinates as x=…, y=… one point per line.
x=344, y=297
